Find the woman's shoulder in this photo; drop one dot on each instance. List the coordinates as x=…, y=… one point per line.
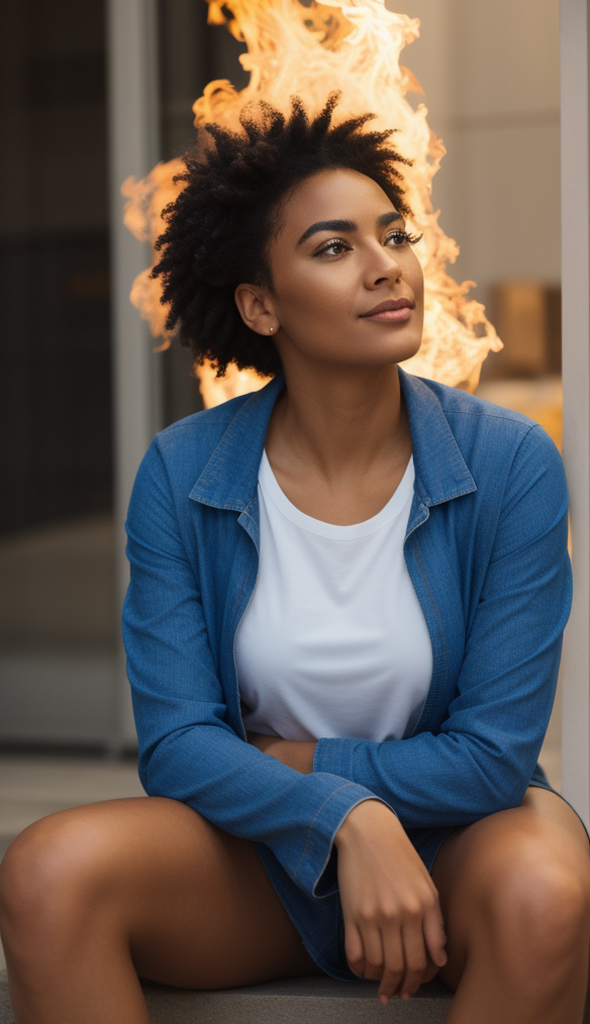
x=477, y=422
x=458, y=403
x=503, y=450
x=214, y=419
x=182, y=449
x=207, y=423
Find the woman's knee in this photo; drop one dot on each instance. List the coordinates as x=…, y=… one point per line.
x=97, y=851
x=46, y=859
x=535, y=899
x=56, y=867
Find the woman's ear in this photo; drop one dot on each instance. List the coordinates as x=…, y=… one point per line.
x=255, y=309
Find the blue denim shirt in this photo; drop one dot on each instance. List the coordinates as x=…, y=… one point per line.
x=486, y=549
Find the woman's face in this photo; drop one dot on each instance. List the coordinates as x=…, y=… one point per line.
x=342, y=250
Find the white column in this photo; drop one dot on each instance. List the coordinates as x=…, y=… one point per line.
x=576, y=398
x=133, y=117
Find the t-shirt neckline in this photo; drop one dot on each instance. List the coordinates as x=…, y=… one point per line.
x=391, y=510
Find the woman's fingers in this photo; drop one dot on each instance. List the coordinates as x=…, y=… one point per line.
x=435, y=935
x=394, y=963
x=415, y=957
x=354, y=949
x=430, y=972
x=397, y=951
x=373, y=947
x=398, y=956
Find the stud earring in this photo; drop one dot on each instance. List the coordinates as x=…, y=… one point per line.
x=271, y=329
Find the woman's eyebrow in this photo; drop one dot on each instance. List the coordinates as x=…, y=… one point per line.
x=347, y=225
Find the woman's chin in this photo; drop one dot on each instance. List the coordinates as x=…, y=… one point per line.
x=396, y=352
x=394, y=343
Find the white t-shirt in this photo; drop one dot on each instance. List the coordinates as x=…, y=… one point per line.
x=333, y=642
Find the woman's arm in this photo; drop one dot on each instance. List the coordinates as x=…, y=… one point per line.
x=188, y=750
x=297, y=754
x=483, y=757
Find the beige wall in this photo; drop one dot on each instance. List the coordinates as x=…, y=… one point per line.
x=490, y=72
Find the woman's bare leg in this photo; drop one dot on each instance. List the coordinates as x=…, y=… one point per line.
x=515, y=896
x=93, y=896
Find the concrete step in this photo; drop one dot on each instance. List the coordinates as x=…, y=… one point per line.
x=296, y=1001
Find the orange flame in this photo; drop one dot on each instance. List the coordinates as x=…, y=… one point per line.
x=307, y=48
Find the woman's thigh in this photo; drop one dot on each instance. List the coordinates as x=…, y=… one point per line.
x=194, y=904
x=522, y=864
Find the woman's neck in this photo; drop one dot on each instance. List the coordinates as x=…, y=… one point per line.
x=340, y=423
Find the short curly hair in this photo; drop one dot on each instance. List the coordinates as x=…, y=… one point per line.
x=219, y=227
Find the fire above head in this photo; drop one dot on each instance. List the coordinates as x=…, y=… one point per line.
x=310, y=49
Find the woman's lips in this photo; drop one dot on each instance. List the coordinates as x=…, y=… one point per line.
x=391, y=315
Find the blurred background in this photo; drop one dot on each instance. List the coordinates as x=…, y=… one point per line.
x=490, y=73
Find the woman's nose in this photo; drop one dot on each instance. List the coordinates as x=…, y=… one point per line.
x=384, y=268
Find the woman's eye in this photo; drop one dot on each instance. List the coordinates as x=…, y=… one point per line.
x=399, y=238
x=336, y=244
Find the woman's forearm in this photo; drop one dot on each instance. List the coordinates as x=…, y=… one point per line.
x=294, y=753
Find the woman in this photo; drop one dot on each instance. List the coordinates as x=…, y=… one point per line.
x=362, y=574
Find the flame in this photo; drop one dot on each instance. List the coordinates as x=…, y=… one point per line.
x=309, y=48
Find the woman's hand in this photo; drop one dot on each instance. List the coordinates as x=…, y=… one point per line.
x=394, y=928
x=294, y=753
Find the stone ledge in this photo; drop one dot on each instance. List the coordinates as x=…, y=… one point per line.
x=294, y=1001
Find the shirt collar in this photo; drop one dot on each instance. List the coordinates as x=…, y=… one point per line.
x=230, y=477
x=441, y=471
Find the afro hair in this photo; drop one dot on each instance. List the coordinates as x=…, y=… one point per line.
x=220, y=226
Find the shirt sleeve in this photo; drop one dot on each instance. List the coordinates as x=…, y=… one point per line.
x=187, y=749
x=483, y=757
